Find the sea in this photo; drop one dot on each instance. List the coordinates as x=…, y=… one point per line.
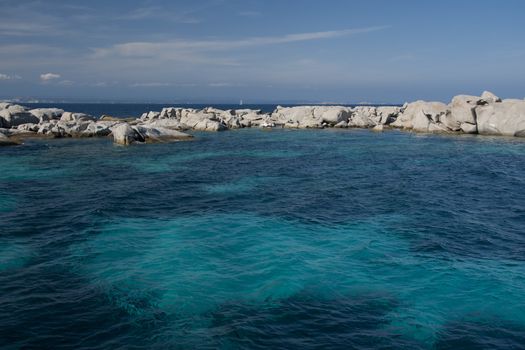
x=263, y=239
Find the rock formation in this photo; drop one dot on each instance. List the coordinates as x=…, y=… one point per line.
x=485, y=115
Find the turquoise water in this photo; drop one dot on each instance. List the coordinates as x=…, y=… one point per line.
x=264, y=239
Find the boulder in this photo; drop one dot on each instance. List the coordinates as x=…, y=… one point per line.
x=16, y=115
x=96, y=129
x=109, y=118
x=420, y=114
x=387, y=115
x=209, y=125
x=332, y=115
x=153, y=115
x=243, y=112
x=201, y=121
x=420, y=122
x=468, y=128
x=231, y=121
x=124, y=134
x=159, y=134
x=504, y=118
x=489, y=97
x=267, y=124
x=361, y=119
x=4, y=105
x=29, y=127
x=166, y=113
x=16, y=109
x=75, y=117
x=173, y=124
x=462, y=110
x=74, y=128
x=46, y=114
x=302, y=117
x=45, y=128
x=341, y=124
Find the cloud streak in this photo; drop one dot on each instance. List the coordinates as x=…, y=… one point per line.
x=49, y=76
x=150, y=49
x=9, y=77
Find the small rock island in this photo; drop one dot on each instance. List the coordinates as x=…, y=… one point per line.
x=485, y=115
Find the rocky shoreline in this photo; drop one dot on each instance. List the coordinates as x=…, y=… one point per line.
x=485, y=115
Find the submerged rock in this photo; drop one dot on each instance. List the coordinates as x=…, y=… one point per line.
x=6, y=141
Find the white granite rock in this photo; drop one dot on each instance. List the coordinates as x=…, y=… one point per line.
x=159, y=134
x=15, y=115
x=46, y=114
x=124, y=134
x=76, y=117
x=504, y=118
x=420, y=113
x=462, y=110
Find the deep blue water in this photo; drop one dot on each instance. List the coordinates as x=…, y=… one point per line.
x=249, y=239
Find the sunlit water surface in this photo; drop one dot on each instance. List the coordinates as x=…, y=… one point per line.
x=264, y=239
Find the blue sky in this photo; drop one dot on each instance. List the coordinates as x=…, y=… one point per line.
x=261, y=51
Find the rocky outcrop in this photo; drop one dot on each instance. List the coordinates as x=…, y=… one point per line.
x=486, y=114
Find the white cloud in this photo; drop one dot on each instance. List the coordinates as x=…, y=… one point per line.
x=9, y=77
x=157, y=12
x=49, y=76
x=184, y=47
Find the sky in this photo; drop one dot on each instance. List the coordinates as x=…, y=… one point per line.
x=261, y=51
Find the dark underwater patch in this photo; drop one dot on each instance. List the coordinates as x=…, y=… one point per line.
x=307, y=322
x=49, y=308
x=491, y=334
